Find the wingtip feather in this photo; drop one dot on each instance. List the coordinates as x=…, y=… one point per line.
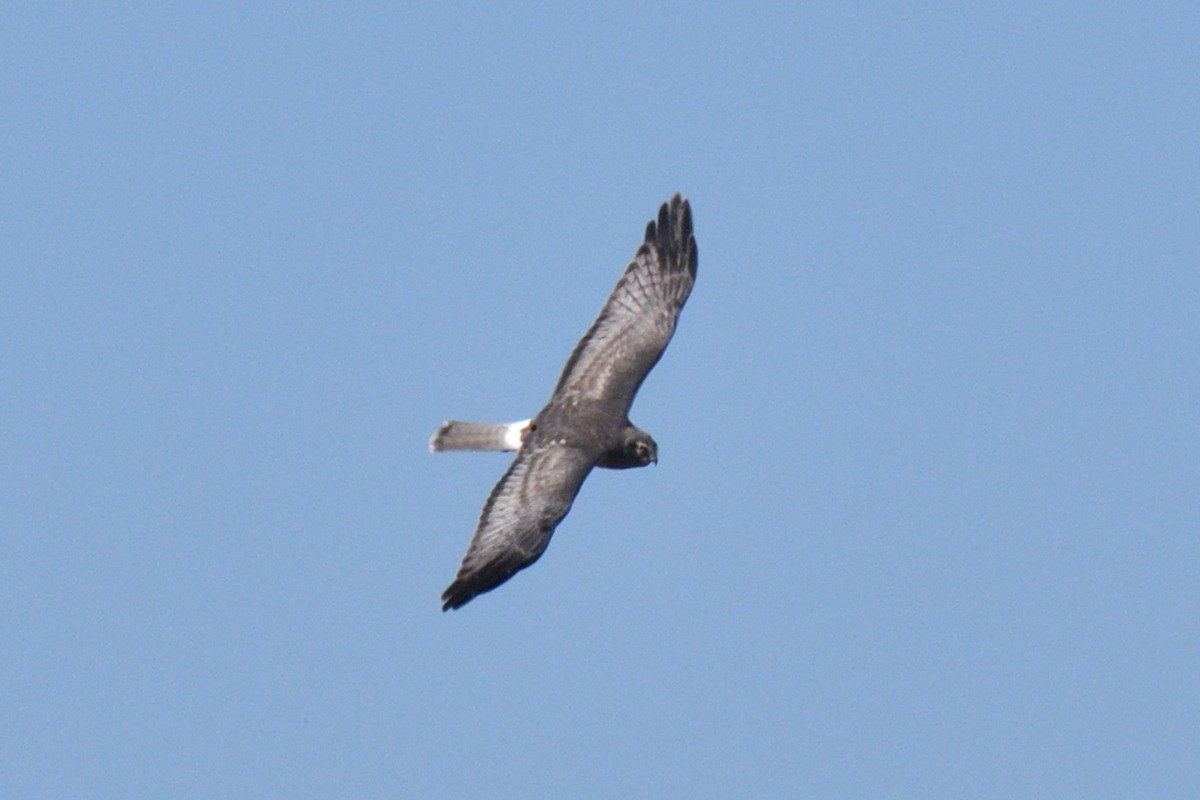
x=664, y=219
x=672, y=232
x=454, y=597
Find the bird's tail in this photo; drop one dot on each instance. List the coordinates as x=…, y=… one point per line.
x=456, y=435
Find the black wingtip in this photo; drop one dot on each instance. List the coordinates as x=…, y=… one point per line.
x=664, y=215
x=456, y=595
x=468, y=586
x=672, y=234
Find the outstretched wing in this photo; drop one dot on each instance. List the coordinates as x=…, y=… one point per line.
x=519, y=517
x=629, y=336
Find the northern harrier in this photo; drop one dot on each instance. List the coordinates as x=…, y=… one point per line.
x=586, y=423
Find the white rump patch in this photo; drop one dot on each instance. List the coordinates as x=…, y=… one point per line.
x=514, y=432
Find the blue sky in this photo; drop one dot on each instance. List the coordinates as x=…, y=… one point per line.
x=925, y=520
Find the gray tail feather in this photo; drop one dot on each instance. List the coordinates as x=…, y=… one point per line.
x=457, y=435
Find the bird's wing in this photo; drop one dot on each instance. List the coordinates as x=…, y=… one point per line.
x=519, y=517
x=633, y=328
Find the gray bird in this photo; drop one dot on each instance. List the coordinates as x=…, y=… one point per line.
x=586, y=422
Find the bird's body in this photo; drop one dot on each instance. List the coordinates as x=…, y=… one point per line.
x=585, y=424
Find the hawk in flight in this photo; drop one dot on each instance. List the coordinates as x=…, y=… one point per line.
x=586, y=422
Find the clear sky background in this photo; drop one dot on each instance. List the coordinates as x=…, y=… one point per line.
x=926, y=520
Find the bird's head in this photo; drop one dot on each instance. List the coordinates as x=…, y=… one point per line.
x=639, y=448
